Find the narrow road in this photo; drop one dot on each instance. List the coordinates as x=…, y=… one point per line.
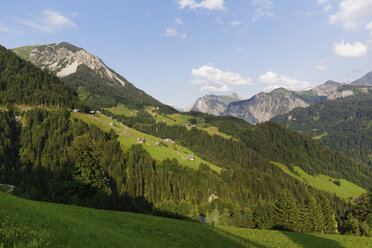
x=125, y=129
x=180, y=155
x=11, y=188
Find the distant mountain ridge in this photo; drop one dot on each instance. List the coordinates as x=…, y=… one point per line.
x=263, y=106
x=213, y=104
x=345, y=124
x=96, y=84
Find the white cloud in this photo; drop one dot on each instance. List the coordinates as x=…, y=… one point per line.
x=369, y=27
x=321, y=68
x=324, y=2
x=327, y=8
x=178, y=21
x=206, y=4
x=234, y=23
x=172, y=32
x=263, y=9
x=213, y=79
x=349, y=50
x=273, y=81
x=49, y=22
x=351, y=13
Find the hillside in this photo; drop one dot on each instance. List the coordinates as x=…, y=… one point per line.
x=23, y=224
x=344, y=124
x=96, y=84
x=23, y=83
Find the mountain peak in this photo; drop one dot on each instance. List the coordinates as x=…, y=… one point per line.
x=64, y=59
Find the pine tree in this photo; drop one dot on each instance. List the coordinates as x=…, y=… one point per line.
x=287, y=212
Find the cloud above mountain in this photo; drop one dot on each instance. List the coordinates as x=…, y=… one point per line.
x=349, y=50
x=212, y=79
x=204, y=4
x=272, y=81
x=48, y=21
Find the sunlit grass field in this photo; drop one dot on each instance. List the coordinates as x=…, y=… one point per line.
x=25, y=223
x=129, y=136
x=345, y=190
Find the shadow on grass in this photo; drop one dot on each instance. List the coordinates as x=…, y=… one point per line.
x=237, y=241
x=307, y=240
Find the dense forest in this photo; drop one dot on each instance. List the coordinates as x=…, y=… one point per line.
x=23, y=83
x=263, y=142
x=345, y=124
x=64, y=160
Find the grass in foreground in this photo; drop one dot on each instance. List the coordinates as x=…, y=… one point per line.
x=346, y=189
x=26, y=223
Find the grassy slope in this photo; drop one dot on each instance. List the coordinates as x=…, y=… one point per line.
x=322, y=182
x=128, y=137
x=173, y=119
x=37, y=224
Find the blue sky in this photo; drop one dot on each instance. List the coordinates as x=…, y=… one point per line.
x=178, y=50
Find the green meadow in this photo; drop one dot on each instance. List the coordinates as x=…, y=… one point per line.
x=346, y=189
x=25, y=223
x=129, y=136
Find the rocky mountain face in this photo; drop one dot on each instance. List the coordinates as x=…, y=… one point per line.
x=96, y=83
x=364, y=81
x=213, y=104
x=263, y=106
x=326, y=89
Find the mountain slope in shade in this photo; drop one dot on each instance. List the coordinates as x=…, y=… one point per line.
x=96, y=84
x=263, y=106
x=23, y=83
x=213, y=104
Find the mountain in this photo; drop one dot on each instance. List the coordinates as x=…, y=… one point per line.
x=326, y=89
x=213, y=104
x=23, y=83
x=364, y=81
x=96, y=84
x=263, y=106
x=345, y=124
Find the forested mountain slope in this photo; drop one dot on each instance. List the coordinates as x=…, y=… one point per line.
x=345, y=124
x=23, y=83
x=96, y=84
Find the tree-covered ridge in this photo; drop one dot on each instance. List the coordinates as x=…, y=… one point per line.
x=96, y=84
x=345, y=124
x=264, y=142
x=23, y=83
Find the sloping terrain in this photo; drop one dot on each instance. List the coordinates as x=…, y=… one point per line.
x=345, y=124
x=96, y=84
x=25, y=223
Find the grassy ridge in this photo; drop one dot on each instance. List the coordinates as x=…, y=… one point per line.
x=129, y=136
x=26, y=223
x=322, y=182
